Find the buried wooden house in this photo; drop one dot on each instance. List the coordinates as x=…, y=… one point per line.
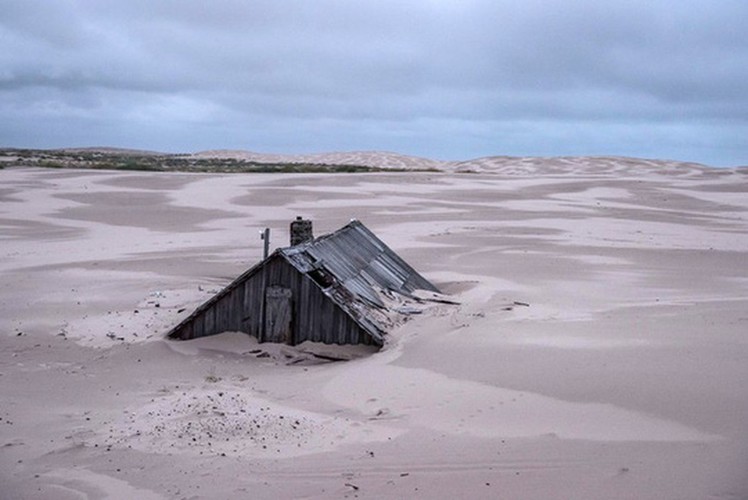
x=335, y=289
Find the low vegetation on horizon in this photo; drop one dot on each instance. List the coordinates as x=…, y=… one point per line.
x=160, y=162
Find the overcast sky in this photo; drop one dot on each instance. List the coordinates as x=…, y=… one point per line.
x=438, y=78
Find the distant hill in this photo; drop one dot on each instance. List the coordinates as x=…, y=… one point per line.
x=351, y=161
x=375, y=159
x=117, y=151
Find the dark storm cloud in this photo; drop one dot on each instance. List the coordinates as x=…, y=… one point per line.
x=440, y=78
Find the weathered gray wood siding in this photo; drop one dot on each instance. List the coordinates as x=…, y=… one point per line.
x=240, y=307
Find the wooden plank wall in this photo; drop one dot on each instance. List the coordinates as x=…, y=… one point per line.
x=315, y=316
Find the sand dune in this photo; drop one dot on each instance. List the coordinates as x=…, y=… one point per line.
x=597, y=351
x=584, y=165
x=500, y=165
x=503, y=165
x=378, y=159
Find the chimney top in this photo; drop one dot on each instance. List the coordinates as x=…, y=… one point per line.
x=301, y=231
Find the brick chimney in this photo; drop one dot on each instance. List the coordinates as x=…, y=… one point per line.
x=301, y=231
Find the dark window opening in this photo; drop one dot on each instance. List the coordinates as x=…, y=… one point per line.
x=321, y=278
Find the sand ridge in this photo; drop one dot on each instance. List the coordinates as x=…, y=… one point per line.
x=502, y=165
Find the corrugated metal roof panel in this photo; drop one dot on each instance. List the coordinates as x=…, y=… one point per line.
x=356, y=260
x=354, y=254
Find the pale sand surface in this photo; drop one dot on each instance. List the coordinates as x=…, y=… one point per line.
x=600, y=349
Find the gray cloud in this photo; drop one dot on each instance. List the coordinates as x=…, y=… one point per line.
x=439, y=78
